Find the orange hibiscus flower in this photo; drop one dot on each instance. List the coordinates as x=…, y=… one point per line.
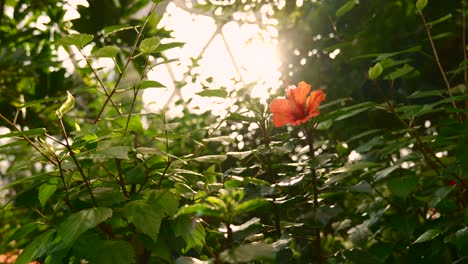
x=298, y=106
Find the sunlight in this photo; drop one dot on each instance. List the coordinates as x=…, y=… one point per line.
x=239, y=53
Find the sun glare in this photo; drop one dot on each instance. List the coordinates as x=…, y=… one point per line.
x=232, y=55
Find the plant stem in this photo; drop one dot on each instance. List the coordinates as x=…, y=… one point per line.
x=129, y=59
x=118, y=163
x=75, y=160
x=436, y=56
x=100, y=81
x=310, y=142
x=67, y=195
x=29, y=141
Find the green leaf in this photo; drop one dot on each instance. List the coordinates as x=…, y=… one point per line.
x=221, y=139
x=28, y=133
x=428, y=235
x=146, y=219
x=191, y=231
x=77, y=223
x=240, y=118
x=348, y=6
x=149, y=45
x=117, y=152
x=23, y=231
x=150, y=84
x=240, y=155
x=440, y=20
x=40, y=246
x=422, y=94
x=190, y=260
x=116, y=28
x=439, y=195
x=403, y=186
x=211, y=158
x=164, y=202
x=359, y=234
x=167, y=46
x=461, y=238
x=375, y=71
x=399, y=72
x=213, y=93
x=106, y=52
x=248, y=253
x=45, y=191
x=362, y=187
x=382, y=174
x=350, y=167
x=249, y=205
x=199, y=210
x=67, y=106
x=79, y=40
x=115, y=252
x=421, y=4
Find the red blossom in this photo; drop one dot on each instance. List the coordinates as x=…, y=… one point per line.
x=298, y=106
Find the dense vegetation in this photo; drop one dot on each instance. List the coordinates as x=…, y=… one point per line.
x=379, y=176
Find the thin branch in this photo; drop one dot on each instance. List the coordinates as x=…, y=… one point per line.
x=436, y=56
x=100, y=81
x=118, y=163
x=75, y=160
x=129, y=59
x=29, y=141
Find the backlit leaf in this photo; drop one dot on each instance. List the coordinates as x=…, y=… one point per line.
x=213, y=93
x=79, y=40
x=348, y=6
x=149, y=45
x=106, y=52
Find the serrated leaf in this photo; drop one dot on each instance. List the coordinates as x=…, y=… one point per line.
x=79, y=40
x=213, y=93
x=105, y=52
x=77, y=223
x=211, y=158
x=248, y=253
x=375, y=71
x=439, y=195
x=191, y=231
x=428, y=235
x=145, y=218
x=149, y=45
x=348, y=6
x=116, y=28
x=45, y=191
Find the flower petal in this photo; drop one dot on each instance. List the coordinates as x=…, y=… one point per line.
x=298, y=95
x=313, y=102
x=282, y=111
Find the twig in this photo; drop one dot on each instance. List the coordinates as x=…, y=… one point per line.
x=100, y=81
x=75, y=160
x=129, y=59
x=436, y=56
x=118, y=163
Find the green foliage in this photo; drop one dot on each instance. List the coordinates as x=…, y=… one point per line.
x=380, y=176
